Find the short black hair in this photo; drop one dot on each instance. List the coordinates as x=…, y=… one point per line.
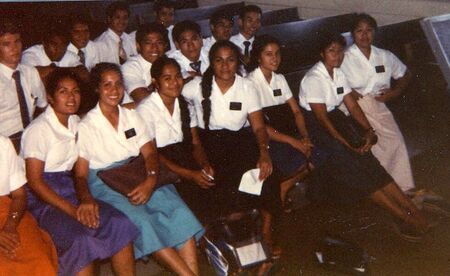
x=148, y=28
x=55, y=31
x=117, y=6
x=248, y=9
x=56, y=76
x=219, y=15
x=78, y=19
x=159, y=5
x=327, y=38
x=8, y=26
x=258, y=47
x=183, y=26
x=363, y=17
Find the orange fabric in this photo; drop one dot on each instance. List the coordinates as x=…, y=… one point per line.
x=36, y=254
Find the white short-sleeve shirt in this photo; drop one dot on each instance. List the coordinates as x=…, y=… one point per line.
x=369, y=76
x=318, y=87
x=36, y=56
x=12, y=168
x=101, y=144
x=108, y=43
x=274, y=93
x=10, y=118
x=167, y=127
x=46, y=139
x=91, y=53
x=238, y=40
x=208, y=43
x=229, y=110
x=136, y=73
x=185, y=62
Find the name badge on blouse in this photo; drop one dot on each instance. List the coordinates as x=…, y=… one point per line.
x=130, y=133
x=277, y=92
x=379, y=69
x=340, y=90
x=235, y=106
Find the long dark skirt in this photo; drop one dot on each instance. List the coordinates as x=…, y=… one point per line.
x=346, y=176
x=77, y=245
x=231, y=154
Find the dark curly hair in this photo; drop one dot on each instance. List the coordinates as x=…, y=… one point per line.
x=156, y=72
x=56, y=76
x=99, y=69
x=206, y=84
x=257, y=48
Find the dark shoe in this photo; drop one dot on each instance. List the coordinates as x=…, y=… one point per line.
x=406, y=231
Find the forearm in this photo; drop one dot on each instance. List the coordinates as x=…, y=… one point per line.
x=263, y=140
x=301, y=125
x=82, y=189
x=51, y=197
x=277, y=136
x=179, y=170
x=200, y=156
x=360, y=117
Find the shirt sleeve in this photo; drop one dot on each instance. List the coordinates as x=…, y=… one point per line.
x=84, y=142
x=192, y=115
x=34, y=143
x=254, y=104
x=132, y=78
x=16, y=171
x=30, y=58
x=144, y=134
x=313, y=89
x=144, y=111
x=398, y=67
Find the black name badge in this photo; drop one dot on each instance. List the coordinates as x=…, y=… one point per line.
x=340, y=90
x=235, y=106
x=277, y=92
x=379, y=69
x=130, y=133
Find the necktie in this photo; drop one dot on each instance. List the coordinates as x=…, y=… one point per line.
x=196, y=66
x=247, y=48
x=122, y=53
x=22, y=102
x=82, y=57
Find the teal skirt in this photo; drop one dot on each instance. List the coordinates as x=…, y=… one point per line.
x=164, y=221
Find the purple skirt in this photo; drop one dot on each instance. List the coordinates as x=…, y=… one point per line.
x=77, y=245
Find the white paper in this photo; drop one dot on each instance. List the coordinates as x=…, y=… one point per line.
x=251, y=253
x=250, y=182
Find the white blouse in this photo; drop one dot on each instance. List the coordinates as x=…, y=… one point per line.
x=318, y=87
x=270, y=94
x=12, y=168
x=167, y=128
x=46, y=139
x=369, y=76
x=101, y=144
x=229, y=110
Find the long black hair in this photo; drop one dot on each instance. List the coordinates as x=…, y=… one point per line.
x=156, y=72
x=206, y=84
x=257, y=48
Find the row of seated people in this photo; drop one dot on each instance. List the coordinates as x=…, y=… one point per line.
x=209, y=131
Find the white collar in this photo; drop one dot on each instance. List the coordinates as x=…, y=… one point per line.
x=7, y=72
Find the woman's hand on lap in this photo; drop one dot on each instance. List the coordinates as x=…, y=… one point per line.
x=142, y=193
x=9, y=242
x=88, y=213
x=202, y=179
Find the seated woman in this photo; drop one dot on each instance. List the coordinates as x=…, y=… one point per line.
x=355, y=173
x=290, y=148
x=24, y=248
x=234, y=136
x=108, y=136
x=82, y=228
x=369, y=71
x=176, y=135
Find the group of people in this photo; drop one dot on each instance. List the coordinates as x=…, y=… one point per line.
x=208, y=110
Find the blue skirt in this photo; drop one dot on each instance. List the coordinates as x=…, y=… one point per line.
x=77, y=245
x=164, y=221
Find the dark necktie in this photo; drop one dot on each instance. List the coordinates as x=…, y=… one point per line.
x=22, y=102
x=196, y=66
x=82, y=57
x=247, y=48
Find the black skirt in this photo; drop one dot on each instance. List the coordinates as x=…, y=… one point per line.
x=231, y=154
x=346, y=176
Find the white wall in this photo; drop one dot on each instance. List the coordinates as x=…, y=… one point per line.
x=385, y=11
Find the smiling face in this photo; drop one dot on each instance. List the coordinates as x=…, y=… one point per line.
x=250, y=24
x=110, y=89
x=225, y=64
x=270, y=58
x=152, y=47
x=165, y=16
x=363, y=34
x=118, y=22
x=170, y=83
x=79, y=35
x=10, y=49
x=66, y=97
x=190, y=44
x=222, y=30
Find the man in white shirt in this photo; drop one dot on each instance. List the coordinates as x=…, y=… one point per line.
x=22, y=93
x=80, y=43
x=249, y=24
x=151, y=42
x=116, y=46
x=188, y=39
x=53, y=53
x=165, y=14
x=221, y=24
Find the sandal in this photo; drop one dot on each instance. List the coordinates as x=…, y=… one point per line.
x=406, y=231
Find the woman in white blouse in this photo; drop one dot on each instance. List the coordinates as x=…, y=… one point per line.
x=107, y=137
x=290, y=148
x=176, y=135
x=353, y=172
x=369, y=71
